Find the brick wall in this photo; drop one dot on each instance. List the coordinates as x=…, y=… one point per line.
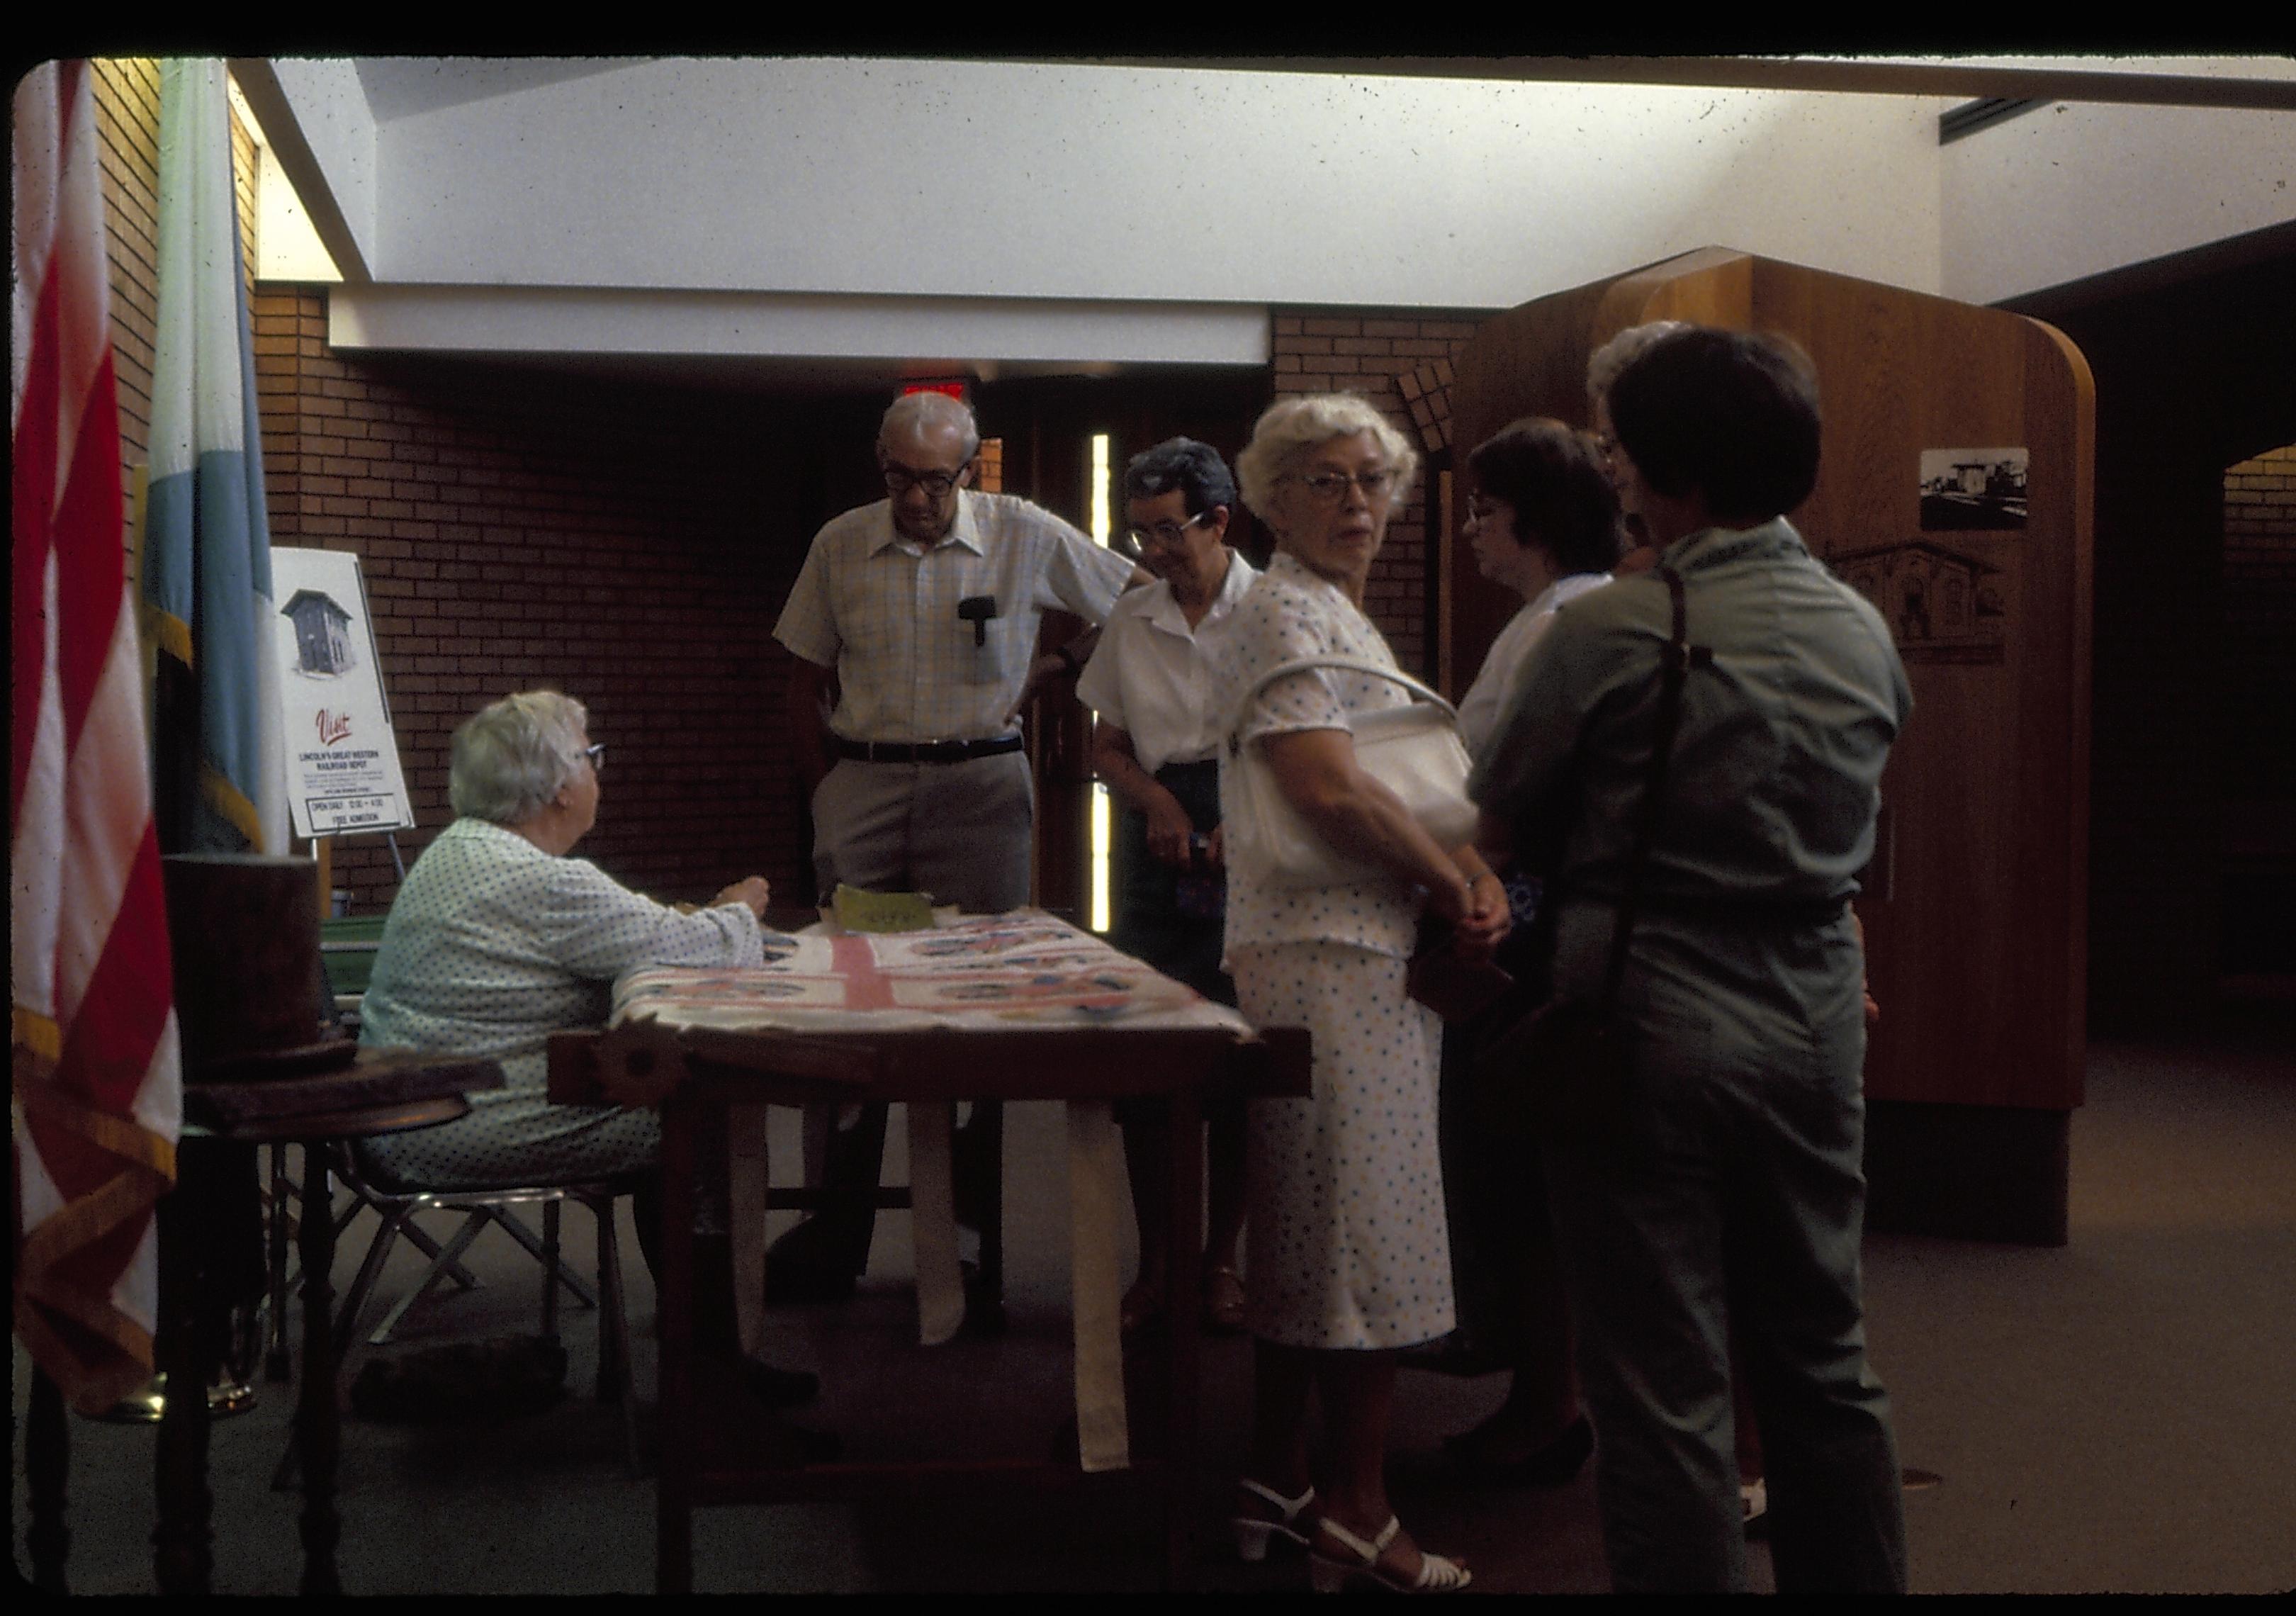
x=518, y=530
x=1366, y=351
x=126, y=94
x=2260, y=668
x=2260, y=593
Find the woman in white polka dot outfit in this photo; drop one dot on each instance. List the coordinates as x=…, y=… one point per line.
x=498, y=940
x=1348, y=1253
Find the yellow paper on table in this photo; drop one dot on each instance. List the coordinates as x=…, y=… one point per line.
x=859, y=911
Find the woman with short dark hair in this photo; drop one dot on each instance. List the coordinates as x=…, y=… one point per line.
x=1542, y=521
x=1728, y=413
x=1715, y=1188
x=1156, y=742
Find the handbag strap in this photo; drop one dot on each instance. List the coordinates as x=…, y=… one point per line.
x=1362, y=665
x=1674, y=663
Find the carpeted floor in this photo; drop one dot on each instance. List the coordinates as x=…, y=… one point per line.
x=2116, y=1415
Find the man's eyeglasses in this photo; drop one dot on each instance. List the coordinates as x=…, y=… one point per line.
x=597, y=756
x=899, y=479
x=1167, y=534
x=1330, y=487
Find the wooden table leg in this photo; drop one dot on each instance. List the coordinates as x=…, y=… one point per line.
x=183, y=1556
x=1183, y=1317
x=674, y=1483
x=278, y=1362
x=317, y=1429
x=981, y=1150
x=47, y=1459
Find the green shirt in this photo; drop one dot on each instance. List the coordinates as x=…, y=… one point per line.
x=1776, y=777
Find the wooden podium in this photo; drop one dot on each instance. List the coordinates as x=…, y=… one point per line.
x=1976, y=904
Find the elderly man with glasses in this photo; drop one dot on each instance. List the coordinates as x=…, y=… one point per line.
x=912, y=630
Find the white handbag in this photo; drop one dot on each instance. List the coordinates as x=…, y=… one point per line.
x=1414, y=751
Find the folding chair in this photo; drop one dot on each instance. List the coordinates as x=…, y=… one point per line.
x=397, y=1203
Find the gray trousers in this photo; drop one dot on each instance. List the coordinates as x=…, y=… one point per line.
x=959, y=830
x=963, y=832
x=1724, y=1191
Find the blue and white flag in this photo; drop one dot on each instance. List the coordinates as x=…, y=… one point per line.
x=220, y=769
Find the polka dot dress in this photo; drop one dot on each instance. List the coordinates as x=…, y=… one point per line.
x=1290, y=614
x=492, y=945
x=1349, y=1248
x=1348, y=1245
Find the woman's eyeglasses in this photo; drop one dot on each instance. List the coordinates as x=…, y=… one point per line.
x=597, y=756
x=1330, y=487
x=1169, y=535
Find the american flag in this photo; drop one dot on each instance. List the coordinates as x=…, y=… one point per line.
x=98, y=1093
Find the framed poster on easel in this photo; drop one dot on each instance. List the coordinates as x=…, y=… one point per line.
x=342, y=756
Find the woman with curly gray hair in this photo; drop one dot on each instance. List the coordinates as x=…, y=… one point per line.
x=1348, y=1254
x=498, y=939
x=1603, y=367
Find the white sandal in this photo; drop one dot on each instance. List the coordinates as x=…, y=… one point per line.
x=1437, y=1574
x=1253, y=1534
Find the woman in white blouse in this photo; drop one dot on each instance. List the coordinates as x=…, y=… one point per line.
x=1156, y=743
x=1348, y=1259
x=498, y=939
x=1542, y=521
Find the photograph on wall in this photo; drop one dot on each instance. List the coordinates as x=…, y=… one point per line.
x=343, y=776
x=1973, y=490
x=1942, y=604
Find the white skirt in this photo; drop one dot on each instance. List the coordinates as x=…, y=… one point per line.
x=1347, y=1246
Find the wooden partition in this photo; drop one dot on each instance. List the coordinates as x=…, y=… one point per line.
x=1975, y=906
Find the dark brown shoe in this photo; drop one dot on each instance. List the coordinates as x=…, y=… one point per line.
x=1557, y=1464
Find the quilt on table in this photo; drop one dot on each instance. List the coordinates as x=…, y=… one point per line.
x=985, y=972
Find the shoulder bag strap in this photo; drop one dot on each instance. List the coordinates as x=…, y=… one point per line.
x=1675, y=661
x=1346, y=664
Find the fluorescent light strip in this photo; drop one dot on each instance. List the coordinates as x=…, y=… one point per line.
x=1100, y=806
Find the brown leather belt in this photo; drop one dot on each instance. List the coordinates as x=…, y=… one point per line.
x=924, y=752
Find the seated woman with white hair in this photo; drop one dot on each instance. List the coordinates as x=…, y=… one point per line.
x=498, y=940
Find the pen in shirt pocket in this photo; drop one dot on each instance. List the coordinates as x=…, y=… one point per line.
x=977, y=610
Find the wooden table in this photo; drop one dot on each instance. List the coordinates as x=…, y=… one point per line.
x=381, y=1091
x=696, y=1073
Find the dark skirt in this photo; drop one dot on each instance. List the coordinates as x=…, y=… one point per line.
x=1169, y=918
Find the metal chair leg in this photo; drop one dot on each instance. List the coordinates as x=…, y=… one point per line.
x=291, y=1463
x=441, y=1264
x=370, y=1270
x=550, y=1267
x=416, y=1236
x=515, y=1227
x=420, y=1239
